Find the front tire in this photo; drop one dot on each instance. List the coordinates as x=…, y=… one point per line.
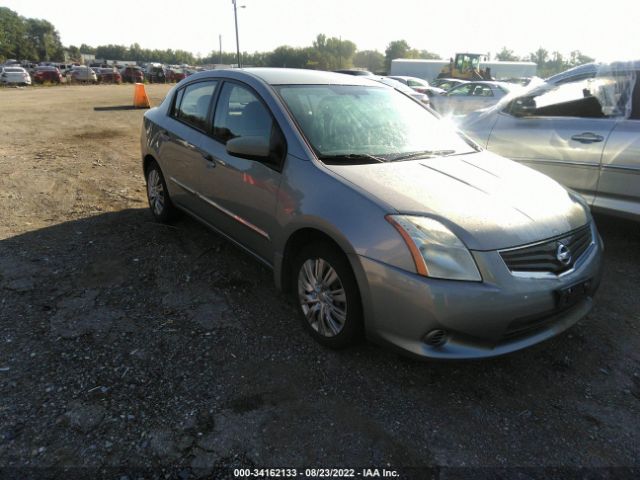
x=160, y=203
x=327, y=296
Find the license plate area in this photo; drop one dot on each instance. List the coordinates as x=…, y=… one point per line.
x=569, y=296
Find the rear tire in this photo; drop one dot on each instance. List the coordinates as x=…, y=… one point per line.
x=327, y=295
x=162, y=208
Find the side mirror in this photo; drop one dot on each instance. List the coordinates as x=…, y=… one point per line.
x=251, y=147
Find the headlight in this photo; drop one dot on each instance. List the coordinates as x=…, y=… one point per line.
x=436, y=251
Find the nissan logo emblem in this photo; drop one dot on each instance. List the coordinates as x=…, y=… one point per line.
x=563, y=254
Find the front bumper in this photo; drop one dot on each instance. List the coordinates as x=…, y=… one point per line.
x=502, y=314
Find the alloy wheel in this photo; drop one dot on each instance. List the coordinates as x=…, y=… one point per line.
x=155, y=192
x=322, y=297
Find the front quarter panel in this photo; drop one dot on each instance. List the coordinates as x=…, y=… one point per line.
x=313, y=197
x=478, y=126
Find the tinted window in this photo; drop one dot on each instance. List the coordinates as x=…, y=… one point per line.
x=192, y=103
x=462, y=90
x=482, y=91
x=239, y=113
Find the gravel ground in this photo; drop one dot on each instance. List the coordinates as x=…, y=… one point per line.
x=128, y=346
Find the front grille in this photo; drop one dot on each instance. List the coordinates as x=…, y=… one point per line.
x=544, y=256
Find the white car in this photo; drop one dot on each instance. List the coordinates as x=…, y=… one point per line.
x=470, y=96
x=419, y=85
x=15, y=76
x=83, y=74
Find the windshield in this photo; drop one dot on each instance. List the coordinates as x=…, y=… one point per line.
x=347, y=121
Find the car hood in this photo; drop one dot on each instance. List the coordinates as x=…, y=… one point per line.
x=489, y=202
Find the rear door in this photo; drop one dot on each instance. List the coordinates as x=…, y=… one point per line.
x=180, y=143
x=560, y=131
x=619, y=186
x=480, y=96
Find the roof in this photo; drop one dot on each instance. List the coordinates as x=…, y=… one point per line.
x=294, y=76
x=408, y=77
x=495, y=83
x=593, y=69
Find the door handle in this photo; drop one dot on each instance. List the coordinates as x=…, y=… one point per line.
x=211, y=161
x=587, y=137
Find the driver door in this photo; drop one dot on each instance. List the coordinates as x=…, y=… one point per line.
x=561, y=132
x=245, y=190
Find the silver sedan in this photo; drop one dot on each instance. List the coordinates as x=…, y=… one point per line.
x=376, y=216
x=581, y=128
x=469, y=96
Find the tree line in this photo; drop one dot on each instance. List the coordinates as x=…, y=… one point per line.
x=37, y=40
x=28, y=38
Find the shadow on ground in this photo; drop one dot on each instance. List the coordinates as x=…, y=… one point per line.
x=126, y=342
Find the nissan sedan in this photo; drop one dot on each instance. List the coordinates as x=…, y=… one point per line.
x=376, y=216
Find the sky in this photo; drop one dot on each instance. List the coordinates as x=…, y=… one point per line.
x=604, y=30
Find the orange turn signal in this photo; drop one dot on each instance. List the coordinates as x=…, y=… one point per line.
x=421, y=266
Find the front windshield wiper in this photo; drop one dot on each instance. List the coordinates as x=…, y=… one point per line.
x=351, y=158
x=423, y=154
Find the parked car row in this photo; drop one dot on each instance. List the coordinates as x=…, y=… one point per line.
x=16, y=74
x=446, y=96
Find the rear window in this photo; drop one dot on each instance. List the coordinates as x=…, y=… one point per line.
x=192, y=103
x=13, y=70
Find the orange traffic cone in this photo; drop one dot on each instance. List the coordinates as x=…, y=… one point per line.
x=140, y=99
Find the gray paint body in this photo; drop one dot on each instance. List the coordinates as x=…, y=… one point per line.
x=489, y=202
x=606, y=172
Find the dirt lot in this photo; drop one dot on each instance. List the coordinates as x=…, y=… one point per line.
x=127, y=346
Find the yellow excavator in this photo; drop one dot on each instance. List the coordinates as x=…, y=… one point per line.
x=466, y=66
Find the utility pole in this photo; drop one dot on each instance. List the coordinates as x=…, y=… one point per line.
x=220, y=40
x=235, y=15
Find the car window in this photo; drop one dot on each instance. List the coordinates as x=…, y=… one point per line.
x=635, y=101
x=192, y=103
x=590, y=98
x=416, y=83
x=462, y=90
x=447, y=85
x=482, y=91
x=239, y=113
